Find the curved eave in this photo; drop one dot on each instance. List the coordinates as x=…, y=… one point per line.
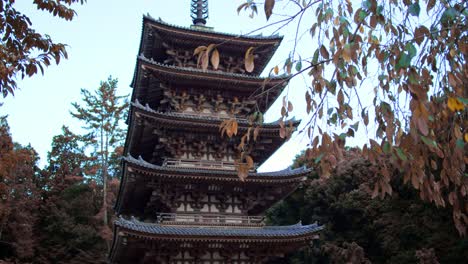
x=193, y=74
x=194, y=121
x=274, y=234
x=196, y=36
x=278, y=177
x=204, y=35
x=284, y=177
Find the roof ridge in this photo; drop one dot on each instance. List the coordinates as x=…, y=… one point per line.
x=258, y=36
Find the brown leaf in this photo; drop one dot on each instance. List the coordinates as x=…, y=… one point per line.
x=269, y=4
x=249, y=59
x=244, y=5
x=324, y=52
x=215, y=59
x=242, y=171
x=250, y=162
x=290, y=106
x=282, y=132
x=198, y=50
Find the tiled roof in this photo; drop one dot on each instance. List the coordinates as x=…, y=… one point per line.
x=202, y=73
x=286, y=173
x=291, y=231
x=215, y=121
x=221, y=34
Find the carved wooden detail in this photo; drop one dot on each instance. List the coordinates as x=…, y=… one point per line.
x=184, y=58
x=186, y=198
x=215, y=105
x=197, y=149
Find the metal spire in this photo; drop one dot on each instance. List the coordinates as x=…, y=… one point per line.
x=199, y=12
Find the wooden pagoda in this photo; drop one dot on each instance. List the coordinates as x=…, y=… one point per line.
x=180, y=199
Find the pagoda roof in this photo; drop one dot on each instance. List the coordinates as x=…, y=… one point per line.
x=286, y=175
x=271, y=233
x=184, y=120
x=195, y=36
x=186, y=73
x=288, y=178
x=198, y=32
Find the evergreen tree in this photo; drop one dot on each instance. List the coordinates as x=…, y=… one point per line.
x=102, y=113
x=68, y=230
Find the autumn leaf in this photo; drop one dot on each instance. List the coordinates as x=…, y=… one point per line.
x=269, y=4
x=215, y=59
x=249, y=59
x=276, y=70
x=455, y=105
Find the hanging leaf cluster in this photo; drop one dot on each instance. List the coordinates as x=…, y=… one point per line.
x=397, y=71
x=206, y=55
x=23, y=51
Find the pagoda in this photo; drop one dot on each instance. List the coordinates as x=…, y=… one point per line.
x=180, y=199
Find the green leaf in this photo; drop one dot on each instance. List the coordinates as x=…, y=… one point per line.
x=401, y=154
x=386, y=147
x=414, y=9
x=316, y=56
x=362, y=15
x=411, y=49
x=449, y=15
x=463, y=100
x=342, y=136
x=299, y=65
x=429, y=142
x=403, y=62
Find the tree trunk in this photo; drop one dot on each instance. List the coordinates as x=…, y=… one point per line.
x=104, y=177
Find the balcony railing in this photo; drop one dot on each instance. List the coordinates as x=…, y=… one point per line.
x=210, y=219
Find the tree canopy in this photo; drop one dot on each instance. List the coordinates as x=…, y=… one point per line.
x=23, y=51
x=394, y=69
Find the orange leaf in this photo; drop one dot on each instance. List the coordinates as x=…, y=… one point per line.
x=455, y=105
x=198, y=50
x=249, y=59
x=215, y=59
x=250, y=162
x=276, y=70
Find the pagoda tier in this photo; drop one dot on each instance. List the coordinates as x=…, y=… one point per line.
x=185, y=184
x=175, y=45
x=159, y=137
x=147, y=188
x=166, y=242
x=172, y=88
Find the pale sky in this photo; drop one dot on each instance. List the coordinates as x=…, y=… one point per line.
x=103, y=40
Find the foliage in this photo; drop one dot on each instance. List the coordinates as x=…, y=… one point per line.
x=23, y=51
x=18, y=196
x=101, y=115
x=410, y=56
x=358, y=229
x=53, y=215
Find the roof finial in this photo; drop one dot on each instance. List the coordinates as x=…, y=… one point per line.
x=199, y=10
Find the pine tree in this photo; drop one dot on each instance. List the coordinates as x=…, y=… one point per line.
x=102, y=113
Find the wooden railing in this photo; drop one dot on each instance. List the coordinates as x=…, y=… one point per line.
x=209, y=219
x=205, y=164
